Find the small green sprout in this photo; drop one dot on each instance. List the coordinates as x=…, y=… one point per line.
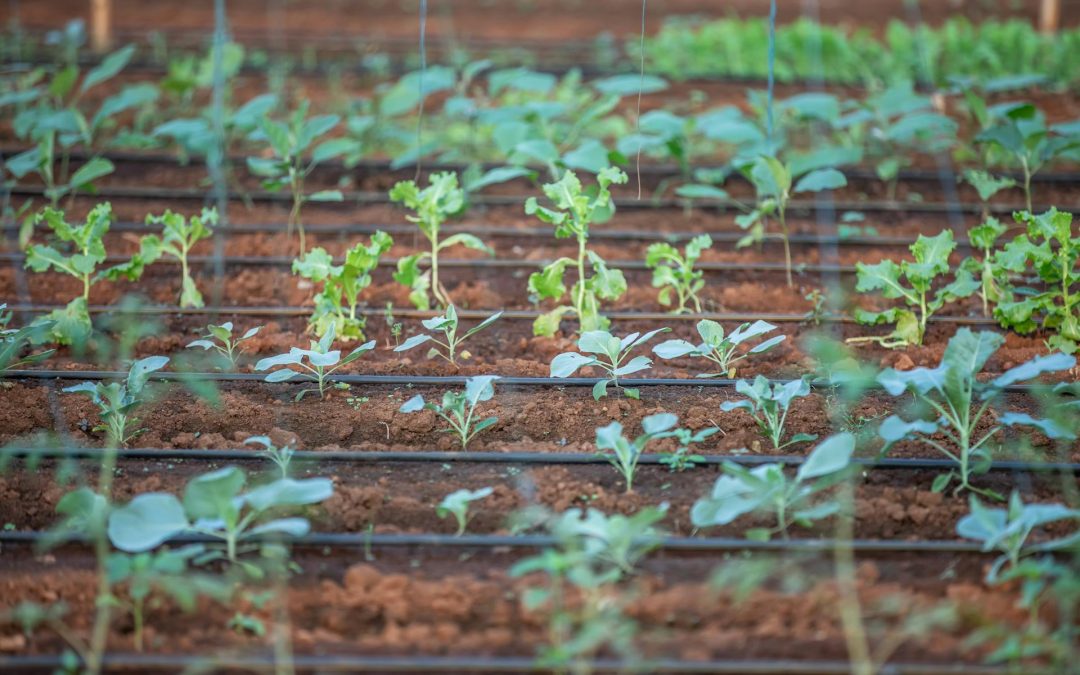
x=675, y=275
x=220, y=339
x=321, y=363
x=459, y=408
x=116, y=402
x=281, y=457
x=769, y=405
x=457, y=504
x=614, y=350
x=178, y=238
x=718, y=348
x=448, y=324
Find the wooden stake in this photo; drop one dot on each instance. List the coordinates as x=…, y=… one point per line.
x=101, y=37
x=1049, y=14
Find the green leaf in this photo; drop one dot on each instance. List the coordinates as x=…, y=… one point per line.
x=109, y=67
x=326, y=196
x=624, y=85
x=146, y=522
x=211, y=495
x=821, y=179
x=290, y=492
x=567, y=363
x=831, y=455
x=91, y=171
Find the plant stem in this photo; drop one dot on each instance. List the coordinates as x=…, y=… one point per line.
x=579, y=302
x=100, y=632
x=850, y=609
x=787, y=246
x=1027, y=182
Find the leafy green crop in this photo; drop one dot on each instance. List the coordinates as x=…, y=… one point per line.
x=613, y=350
x=459, y=408
x=322, y=362
x=177, y=239
x=681, y=459
x=441, y=199
x=769, y=405
x=281, y=457
x=719, y=348
x=448, y=324
x=13, y=341
x=335, y=303
x=576, y=209
x=931, y=261
x=956, y=402
x=766, y=488
x=625, y=453
x=675, y=274
x=116, y=402
x=1053, y=253
x=220, y=339
x=457, y=504
x=994, y=286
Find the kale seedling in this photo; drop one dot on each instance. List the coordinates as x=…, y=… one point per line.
x=769, y=405
x=719, y=348
x=993, y=277
x=576, y=209
x=335, y=304
x=448, y=324
x=179, y=236
x=458, y=408
x=613, y=350
x=681, y=459
x=117, y=401
x=457, y=504
x=767, y=488
x=959, y=401
x=931, y=262
x=281, y=457
x=441, y=199
x=321, y=363
x=626, y=453
x=675, y=274
x=220, y=339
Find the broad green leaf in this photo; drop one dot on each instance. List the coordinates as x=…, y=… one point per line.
x=821, y=179
x=146, y=522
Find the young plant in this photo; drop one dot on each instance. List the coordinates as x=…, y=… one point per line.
x=448, y=324
x=216, y=505
x=955, y=403
x=718, y=348
x=457, y=504
x=766, y=488
x=626, y=453
x=769, y=405
x=775, y=183
x=576, y=209
x=220, y=339
x=71, y=325
x=1053, y=253
x=335, y=304
x=675, y=274
x=294, y=156
x=180, y=234
x=987, y=185
x=14, y=341
x=281, y=457
x=441, y=199
x=931, y=262
x=610, y=352
x=993, y=277
x=321, y=363
x=681, y=459
x=459, y=408
x=116, y=402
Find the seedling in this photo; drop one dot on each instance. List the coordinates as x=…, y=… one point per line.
x=177, y=239
x=993, y=277
x=220, y=339
x=610, y=352
x=335, y=304
x=441, y=199
x=281, y=457
x=960, y=402
x=723, y=350
x=987, y=185
x=290, y=162
x=215, y=505
x=14, y=341
x=769, y=405
x=1008, y=530
x=931, y=262
x=321, y=363
x=675, y=275
x=116, y=402
x=459, y=408
x=681, y=459
x=71, y=325
x=776, y=183
x=766, y=488
x=457, y=504
x=448, y=325
x=626, y=453
x=1053, y=253
x=576, y=209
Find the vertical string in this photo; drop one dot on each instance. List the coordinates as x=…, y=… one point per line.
x=772, y=68
x=218, y=152
x=420, y=85
x=641, y=86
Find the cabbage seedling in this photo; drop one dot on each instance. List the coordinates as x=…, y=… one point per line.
x=281, y=457
x=626, y=453
x=769, y=405
x=341, y=285
x=220, y=339
x=993, y=277
x=117, y=401
x=440, y=200
x=180, y=234
x=612, y=350
x=960, y=401
x=719, y=348
x=448, y=324
x=674, y=273
x=576, y=209
x=321, y=363
x=931, y=262
x=458, y=408
x=681, y=459
x=457, y=504
x=13, y=341
x=766, y=488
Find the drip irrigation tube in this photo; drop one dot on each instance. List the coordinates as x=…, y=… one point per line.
x=342, y=663
x=496, y=457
